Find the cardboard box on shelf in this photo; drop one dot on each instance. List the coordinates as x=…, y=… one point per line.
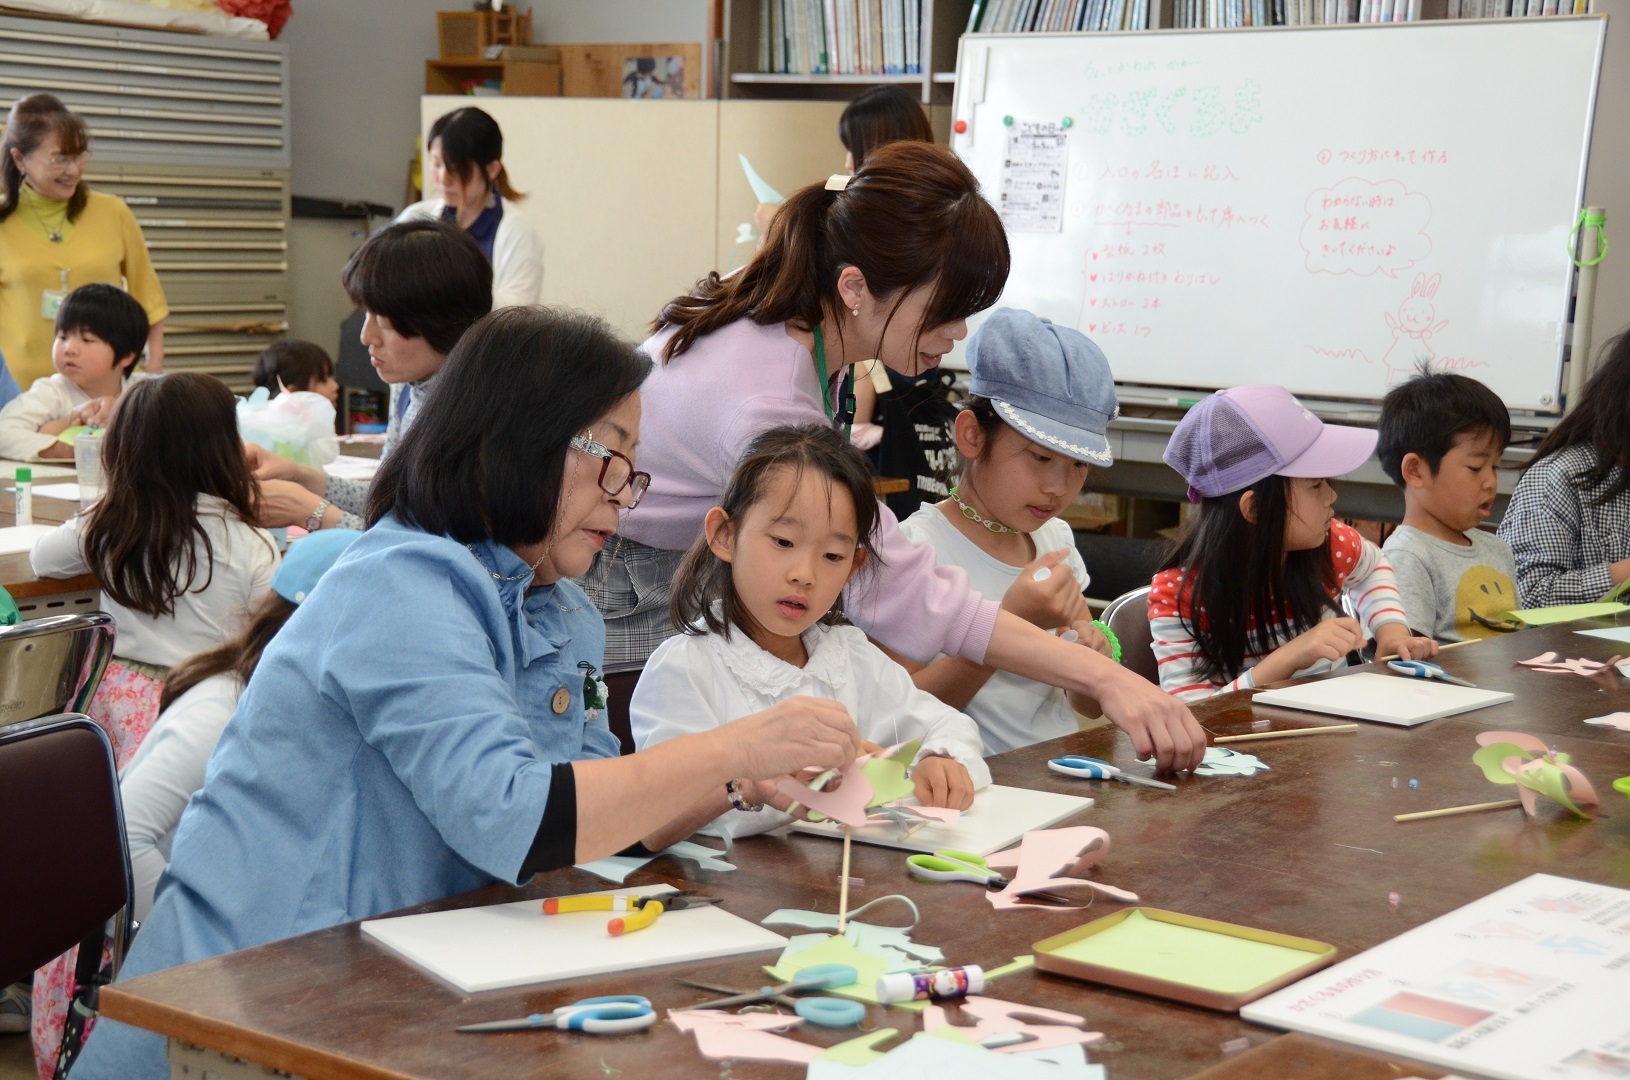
x=1093, y=510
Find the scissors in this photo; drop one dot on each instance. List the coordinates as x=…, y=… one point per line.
x=1425, y=669
x=644, y=909
x=821, y=1011
x=954, y=866
x=818, y=977
x=614, y=1015
x=1091, y=768
x=966, y=866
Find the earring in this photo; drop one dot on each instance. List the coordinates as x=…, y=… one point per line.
x=855, y=311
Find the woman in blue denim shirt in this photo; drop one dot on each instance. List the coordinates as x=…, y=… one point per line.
x=419, y=727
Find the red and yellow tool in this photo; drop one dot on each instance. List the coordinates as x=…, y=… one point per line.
x=643, y=909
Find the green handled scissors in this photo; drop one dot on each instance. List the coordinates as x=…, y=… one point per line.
x=954, y=866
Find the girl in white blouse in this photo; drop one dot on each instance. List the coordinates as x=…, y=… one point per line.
x=172, y=542
x=756, y=597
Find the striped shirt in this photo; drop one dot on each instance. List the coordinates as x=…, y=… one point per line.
x=1362, y=573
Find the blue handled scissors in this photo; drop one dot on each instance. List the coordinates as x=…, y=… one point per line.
x=615, y=1015
x=1091, y=768
x=818, y=977
x=1425, y=669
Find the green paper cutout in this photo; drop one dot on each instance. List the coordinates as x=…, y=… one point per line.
x=67, y=436
x=1020, y=963
x=1491, y=759
x=1549, y=616
x=836, y=950
x=1549, y=782
x=950, y=1033
x=858, y=1051
x=1217, y=962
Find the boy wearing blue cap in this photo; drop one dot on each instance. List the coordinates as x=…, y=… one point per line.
x=1040, y=399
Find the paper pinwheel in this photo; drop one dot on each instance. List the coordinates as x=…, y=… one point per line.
x=1512, y=757
x=872, y=782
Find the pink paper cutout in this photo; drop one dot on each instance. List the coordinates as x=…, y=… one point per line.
x=1046, y=852
x=846, y=805
x=1620, y=720
x=1550, y=662
x=995, y=1017
x=744, y=1036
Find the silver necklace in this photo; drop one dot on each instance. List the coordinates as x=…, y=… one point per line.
x=973, y=515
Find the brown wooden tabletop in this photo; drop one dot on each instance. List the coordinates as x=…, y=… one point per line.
x=1308, y=848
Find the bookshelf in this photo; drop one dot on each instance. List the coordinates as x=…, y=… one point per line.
x=942, y=22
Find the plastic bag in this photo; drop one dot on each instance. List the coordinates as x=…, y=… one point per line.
x=299, y=425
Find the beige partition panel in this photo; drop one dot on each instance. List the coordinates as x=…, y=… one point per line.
x=622, y=193
x=790, y=143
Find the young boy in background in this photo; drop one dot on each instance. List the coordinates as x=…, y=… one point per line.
x=1441, y=440
x=101, y=332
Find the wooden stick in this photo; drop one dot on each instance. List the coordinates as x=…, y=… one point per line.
x=1287, y=734
x=1446, y=645
x=843, y=892
x=1447, y=811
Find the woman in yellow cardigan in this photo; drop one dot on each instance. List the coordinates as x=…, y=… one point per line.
x=56, y=235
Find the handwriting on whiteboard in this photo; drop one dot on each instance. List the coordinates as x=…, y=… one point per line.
x=1196, y=111
x=1362, y=227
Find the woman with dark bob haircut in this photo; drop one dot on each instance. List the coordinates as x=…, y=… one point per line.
x=888, y=266
x=420, y=285
x=430, y=720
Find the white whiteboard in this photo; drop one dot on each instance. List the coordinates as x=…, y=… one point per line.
x=1320, y=207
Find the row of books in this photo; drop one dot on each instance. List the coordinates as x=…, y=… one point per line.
x=1502, y=9
x=1044, y=16
x=1230, y=13
x=840, y=37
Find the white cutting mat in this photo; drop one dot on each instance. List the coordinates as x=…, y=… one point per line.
x=998, y=819
x=1385, y=699
x=490, y=948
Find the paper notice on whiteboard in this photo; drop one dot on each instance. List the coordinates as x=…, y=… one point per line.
x=1032, y=190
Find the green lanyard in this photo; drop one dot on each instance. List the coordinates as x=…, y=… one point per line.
x=846, y=392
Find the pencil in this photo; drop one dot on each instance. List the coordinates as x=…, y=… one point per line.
x=843, y=889
x=1287, y=734
x=1448, y=811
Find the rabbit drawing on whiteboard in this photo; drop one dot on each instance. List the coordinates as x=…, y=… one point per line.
x=1412, y=330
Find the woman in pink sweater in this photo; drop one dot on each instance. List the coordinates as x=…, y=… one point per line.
x=887, y=264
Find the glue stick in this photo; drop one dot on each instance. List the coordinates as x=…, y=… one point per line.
x=921, y=985
x=25, y=495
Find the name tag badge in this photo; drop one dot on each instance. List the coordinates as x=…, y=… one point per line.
x=562, y=701
x=50, y=303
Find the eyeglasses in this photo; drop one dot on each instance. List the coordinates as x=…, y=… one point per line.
x=616, y=470
x=62, y=161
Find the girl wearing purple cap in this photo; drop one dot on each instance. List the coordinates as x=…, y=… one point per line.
x=1248, y=596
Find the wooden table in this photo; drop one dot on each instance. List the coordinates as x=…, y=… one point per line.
x=37, y=596
x=1309, y=848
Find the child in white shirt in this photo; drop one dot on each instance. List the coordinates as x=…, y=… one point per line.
x=101, y=331
x=755, y=596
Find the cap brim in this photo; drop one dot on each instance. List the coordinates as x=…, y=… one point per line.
x=1336, y=452
x=1079, y=443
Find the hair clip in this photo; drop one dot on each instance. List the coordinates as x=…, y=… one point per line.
x=838, y=181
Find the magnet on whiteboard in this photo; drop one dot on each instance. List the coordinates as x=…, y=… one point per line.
x=960, y=127
x=1007, y=121
x=1069, y=122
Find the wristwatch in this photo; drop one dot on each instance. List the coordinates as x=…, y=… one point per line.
x=315, y=521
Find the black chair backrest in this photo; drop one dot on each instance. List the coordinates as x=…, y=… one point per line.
x=64, y=850
x=620, y=680
x=52, y=665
